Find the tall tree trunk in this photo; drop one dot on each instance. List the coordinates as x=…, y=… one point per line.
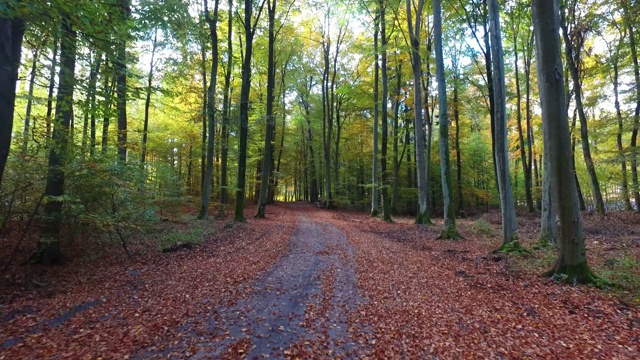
x=212, y=21
x=547, y=213
x=571, y=265
x=396, y=139
x=573, y=158
x=226, y=118
x=507, y=209
x=627, y=18
x=11, y=33
x=267, y=159
x=121, y=79
x=572, y=53
x=456, y=118
x=623, y=161
x=386, y=201
x=93, y=79
x=245, y=88
x=48, y=250
x=109, y=88
x=530, y=138
x=147, y=102
x=27, y=116
x=203, y=144
x=450, y=231
x=422, y=216
x=526, y=165
x=52, y=82
x=375, y=201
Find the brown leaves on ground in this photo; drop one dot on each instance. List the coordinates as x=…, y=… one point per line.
x=112, y=310
x=451, y=299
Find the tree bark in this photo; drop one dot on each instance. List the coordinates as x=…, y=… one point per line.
x=507, y=209
x=212, y=21
x=571, y=265
x=572, y=53
x=48, y=249
x=121, y=79
x=450, y=231
x=11, y=33
x=375, y=201
x=147, y=102
x=267, y=159
x=422, y=215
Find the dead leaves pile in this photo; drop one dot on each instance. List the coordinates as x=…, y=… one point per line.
x=115, y=310
x=447, y=299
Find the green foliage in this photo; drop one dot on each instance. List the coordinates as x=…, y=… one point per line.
x=482, y=227
x=196, y=233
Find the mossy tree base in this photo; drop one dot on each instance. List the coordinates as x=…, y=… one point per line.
x=375, y=213
x=512, y=247
x=387, y=217
x=450, y=233
x=423, y=219
x=576, y=274
x=543, y=243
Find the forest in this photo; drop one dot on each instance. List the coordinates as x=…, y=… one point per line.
x=155, y=140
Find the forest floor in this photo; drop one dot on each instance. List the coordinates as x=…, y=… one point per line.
x=311, y=283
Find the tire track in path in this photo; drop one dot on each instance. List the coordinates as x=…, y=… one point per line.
x=303, y=302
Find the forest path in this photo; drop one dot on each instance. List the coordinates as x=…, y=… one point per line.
x=303, y=302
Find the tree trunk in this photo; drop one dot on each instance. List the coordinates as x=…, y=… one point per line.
x=526, y=164
x=386, y=203
x=93, y=79
x=147, y=102
x=636, y=115
x=48, y=250
x=623, y=161
x=456, y=118
x=226, y=118
x=27, y=116
x=245, y=89
x=396, y=138
x=11, y=33
x=422, y=215
x=548, y=216
x=267, y=159
x=212, y=21
x=507, y=209
x=121, y=79
x=572, y=53
x=571, y=265
x=375, y=201
x=450, y=231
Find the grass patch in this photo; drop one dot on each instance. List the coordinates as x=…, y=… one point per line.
x=196, y=232
x=483, y=228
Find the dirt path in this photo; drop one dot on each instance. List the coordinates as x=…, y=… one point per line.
x=303, y=302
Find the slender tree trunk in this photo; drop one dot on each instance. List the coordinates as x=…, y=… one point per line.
x=267, y=159
x=526, y=165
x=548, y=216
x=121, y=79
x=450, y=231
x=109, y=88
x=573, y=59
x=375, y=201
x=48, y=250
x=396, y=139
x=27, y=116
x=627, y=18
x=573, y=158
x=52, y=82
x=93, y=79
x=422, y=215
x=212, y=21
x=203, y=144
x=226, y=118
x=571, y=265
x=245, y=88
x=147, y=102
x=623, y=161
x=509, y=227
x=11, y=33
x=456, y=117
x=386, y=201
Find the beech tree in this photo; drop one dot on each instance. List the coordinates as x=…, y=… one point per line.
x=11, y=33
x=450, y=231
x=571, y=265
